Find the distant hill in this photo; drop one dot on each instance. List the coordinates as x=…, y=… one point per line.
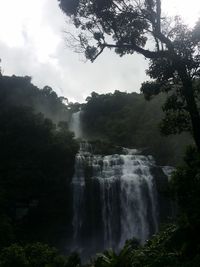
x=127, y=119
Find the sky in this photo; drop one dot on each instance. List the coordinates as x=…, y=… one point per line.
x=33, y=43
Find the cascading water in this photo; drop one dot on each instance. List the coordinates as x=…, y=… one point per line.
x=114, y=197
x=114, y=200
x=75, y=124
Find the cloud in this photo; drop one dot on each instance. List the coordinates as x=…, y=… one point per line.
x=32, y=43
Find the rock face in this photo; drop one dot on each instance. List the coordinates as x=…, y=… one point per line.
x=115, y=198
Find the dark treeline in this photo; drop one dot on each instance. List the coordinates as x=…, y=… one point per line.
x=19, y=91
x=37, y=164
x=127, y=119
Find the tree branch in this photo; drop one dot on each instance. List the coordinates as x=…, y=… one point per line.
x=146, y=53
x=101, y=51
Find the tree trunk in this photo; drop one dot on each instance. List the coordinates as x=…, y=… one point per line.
x=188, y=93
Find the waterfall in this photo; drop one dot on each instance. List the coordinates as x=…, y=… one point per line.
x=75, y=124
x=114, y=199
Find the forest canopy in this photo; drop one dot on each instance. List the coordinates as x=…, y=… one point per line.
x=128, y=120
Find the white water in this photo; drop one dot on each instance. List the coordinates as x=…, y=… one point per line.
x=121, y=191
x=75, y=124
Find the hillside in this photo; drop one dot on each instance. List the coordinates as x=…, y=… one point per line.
x=127, y=119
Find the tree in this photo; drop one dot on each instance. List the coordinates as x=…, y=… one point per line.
x=129, y=27
x=37, y=165
x=32, y=255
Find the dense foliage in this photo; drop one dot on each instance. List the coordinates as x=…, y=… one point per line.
x=185, y=185
x=37, y=164
x=126, y=119
x=36, y=255
x=19, y=91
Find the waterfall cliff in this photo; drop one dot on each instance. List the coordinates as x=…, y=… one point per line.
x=114, y=199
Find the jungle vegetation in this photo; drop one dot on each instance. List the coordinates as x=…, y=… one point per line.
x=37, y=155
x=128, y=120
x=37, y=163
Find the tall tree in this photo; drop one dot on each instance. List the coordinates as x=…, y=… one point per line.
x=130, y=26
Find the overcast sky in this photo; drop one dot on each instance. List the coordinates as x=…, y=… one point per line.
x=32, y=42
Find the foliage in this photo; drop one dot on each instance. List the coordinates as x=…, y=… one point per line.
x=13, y=256
x=167, y=248
x=126, y=119
x=185, y=185
x=128, y=27
x=36, y=255
x=19, y=91
x=123, y=258
x=37, y=164
x=73, y=260
x=157, y=252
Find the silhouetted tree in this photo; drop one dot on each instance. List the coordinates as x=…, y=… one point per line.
x=128, y=27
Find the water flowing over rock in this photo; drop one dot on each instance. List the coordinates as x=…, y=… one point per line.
x=114, y=199
x=75, y=124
